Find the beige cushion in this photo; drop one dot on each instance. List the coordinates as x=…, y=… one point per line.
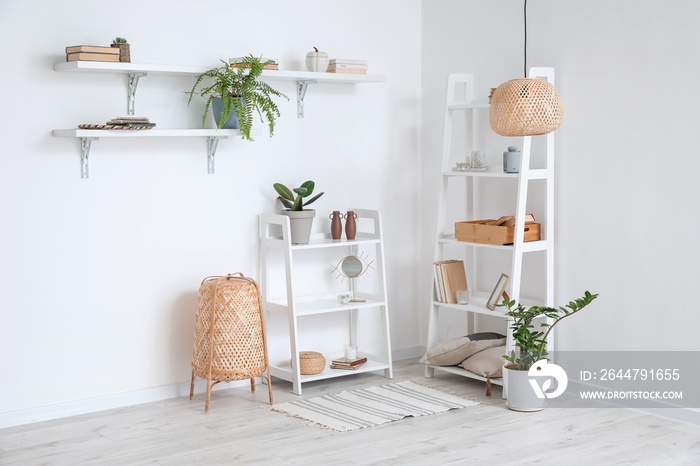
x=487, y=363
x=454, y=351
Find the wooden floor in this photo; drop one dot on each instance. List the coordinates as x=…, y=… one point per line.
x=240, y=429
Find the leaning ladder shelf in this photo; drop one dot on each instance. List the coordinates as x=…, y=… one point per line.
x=275, y=244
x=477, y=304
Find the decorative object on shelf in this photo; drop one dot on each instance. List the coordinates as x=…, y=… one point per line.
x=499, y=232
x=343, y=298
x=92, y=53
x=311, y=362
x=124, y=49
x=353, y=267
x=349, y=363
x=463, y=296
x=511, y=160
x=344, y=65
x=336, y=224
x=462, y=167
x=527, y=106
x=317, y=61
x=350, y=351
x=531, y=344
x=241, y=92
x=350, y=225
x=498, y=291
x=229, y=334
x=478, y=161
x=300, y=219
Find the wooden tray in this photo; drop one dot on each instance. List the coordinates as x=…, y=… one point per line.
x=485, y=231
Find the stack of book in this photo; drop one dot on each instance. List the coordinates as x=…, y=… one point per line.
x=238, y=63
x=92, y=53
x=132, y=122
x=449, y=277
x=348, y=364
x=343, y=65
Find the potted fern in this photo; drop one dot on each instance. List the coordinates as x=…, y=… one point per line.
x=300, y=219
x=236, y=94
x=531, y=344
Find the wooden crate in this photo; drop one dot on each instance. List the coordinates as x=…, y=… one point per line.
x=485, y=231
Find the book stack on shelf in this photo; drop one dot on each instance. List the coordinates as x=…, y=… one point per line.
x=449, y=277
x=130, y=122
x=343, y=65
x=92, y=53
x=238, y=63
x=348, y=364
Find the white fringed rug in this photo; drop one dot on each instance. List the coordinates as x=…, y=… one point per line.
x=368, y=407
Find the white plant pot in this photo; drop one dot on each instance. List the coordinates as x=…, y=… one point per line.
x=521, y=396
x=300, y=223
x=317, y=61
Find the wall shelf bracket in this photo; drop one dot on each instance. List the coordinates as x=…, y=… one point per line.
x=133, y=84
x=84, y=155
x=211, y=153
x=302, y=84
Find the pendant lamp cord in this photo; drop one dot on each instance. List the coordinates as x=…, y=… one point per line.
x=525, y=43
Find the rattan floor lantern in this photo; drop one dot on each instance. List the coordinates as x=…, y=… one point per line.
x=527, y=106
x=229, y=335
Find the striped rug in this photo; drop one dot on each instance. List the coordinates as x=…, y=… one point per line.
x=368, y=407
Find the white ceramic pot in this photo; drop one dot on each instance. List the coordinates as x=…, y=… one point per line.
x=317, y=61
x=300, y=222
x=521, y=396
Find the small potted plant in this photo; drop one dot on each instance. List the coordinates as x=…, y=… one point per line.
x=531, y=344
x=300, y=219
x=124, y=49
x=236, y=93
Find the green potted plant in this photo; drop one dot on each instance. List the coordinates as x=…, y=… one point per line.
x=124, y=49
x=300, y=219
x=236, y=93
x=531, y=343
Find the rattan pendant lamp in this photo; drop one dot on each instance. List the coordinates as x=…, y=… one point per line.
x=527, y=106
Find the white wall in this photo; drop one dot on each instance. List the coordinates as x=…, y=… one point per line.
x=626, y=184
x=99, y=277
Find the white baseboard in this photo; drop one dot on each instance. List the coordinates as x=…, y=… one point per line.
x=149, y=395
x=120, y=400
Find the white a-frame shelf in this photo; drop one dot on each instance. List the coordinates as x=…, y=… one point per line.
x=135, y=72
x=460, y=99
x=278, y=252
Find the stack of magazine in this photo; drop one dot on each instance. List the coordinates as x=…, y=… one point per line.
x=348, y=364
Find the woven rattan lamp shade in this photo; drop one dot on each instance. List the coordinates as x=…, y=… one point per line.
x=229, y=336
x=525, y=107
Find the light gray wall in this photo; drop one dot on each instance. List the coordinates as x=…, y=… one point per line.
x=99, y=277
x=626, y=186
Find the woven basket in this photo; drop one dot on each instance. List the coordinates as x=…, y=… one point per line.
x=525, y=107
x=311, y=362
x=229, y=335
x=124, y=52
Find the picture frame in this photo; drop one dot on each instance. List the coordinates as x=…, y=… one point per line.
x=498, y=291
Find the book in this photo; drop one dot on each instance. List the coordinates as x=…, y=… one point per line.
x=346, y=61
x=266, y=67
x=349, y=362
x=347, y=66
x=92, y=49
x=348, y=368
x=455, y=278
x=78, y=56
x=345, y=71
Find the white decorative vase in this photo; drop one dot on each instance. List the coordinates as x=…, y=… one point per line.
x=521, y=395
x=300, y=222
x=317, y=61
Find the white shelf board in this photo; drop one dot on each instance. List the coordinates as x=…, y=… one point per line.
x=283, y=370
x=491, y=171
x=319, y=305
x=146, y=133
x=189, y=70
x=477, y=305
x=529, y=246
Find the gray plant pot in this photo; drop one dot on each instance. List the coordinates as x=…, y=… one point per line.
x=300, y=224
x=521, y=396
x=217, y=107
